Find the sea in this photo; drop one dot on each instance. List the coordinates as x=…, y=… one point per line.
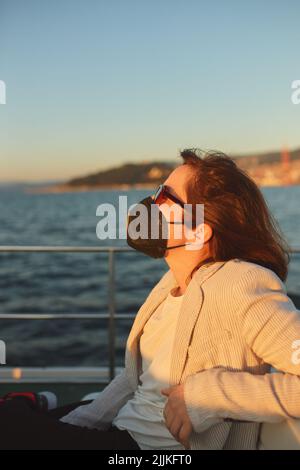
x=78, y=282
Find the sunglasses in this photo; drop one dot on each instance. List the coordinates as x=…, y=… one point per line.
x=162, y=194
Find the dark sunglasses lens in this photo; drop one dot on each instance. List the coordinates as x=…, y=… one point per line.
x=159, y=195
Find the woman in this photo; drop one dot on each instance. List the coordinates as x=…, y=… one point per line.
x=199, y=353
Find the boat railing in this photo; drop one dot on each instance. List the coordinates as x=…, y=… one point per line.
x=70, y=374
x=73, y=374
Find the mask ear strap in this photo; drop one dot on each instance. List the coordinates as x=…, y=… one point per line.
x=176, y=246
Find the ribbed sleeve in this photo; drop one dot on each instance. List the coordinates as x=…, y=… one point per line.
x=270, y=325
x=100, y=413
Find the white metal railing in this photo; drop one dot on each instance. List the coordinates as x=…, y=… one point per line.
x=83, y=375
x=74, y=374
x=22, y=374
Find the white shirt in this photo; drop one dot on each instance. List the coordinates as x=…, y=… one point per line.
x=142, y=415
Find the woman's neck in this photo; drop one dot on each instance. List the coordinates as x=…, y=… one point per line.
x=182, y=268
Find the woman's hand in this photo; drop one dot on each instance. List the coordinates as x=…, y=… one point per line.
x=175, y=413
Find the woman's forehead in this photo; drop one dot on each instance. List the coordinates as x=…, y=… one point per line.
x=178, y=179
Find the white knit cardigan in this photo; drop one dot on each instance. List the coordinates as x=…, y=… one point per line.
x=235, y=322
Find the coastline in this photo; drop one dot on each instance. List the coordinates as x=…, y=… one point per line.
x=65, y=188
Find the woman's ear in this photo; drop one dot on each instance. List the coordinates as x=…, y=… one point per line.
x=203, y=232
x=195, y=238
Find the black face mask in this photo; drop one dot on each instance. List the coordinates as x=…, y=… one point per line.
x=156, y=247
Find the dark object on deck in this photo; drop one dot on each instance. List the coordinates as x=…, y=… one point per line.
x=296, y=299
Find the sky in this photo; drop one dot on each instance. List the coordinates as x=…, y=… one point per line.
x=92, y=84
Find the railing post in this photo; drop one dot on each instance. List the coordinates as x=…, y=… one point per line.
x=111, y=308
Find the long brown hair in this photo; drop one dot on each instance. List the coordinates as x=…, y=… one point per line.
x=234, y=207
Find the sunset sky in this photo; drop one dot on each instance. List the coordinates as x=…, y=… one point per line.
x=92, y=84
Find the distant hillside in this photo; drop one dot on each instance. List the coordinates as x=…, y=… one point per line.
x=250, y=161
x=128, y=174
x=267, y=169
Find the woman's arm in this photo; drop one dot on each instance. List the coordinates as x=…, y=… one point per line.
x=100, y=413
x=270, y=325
